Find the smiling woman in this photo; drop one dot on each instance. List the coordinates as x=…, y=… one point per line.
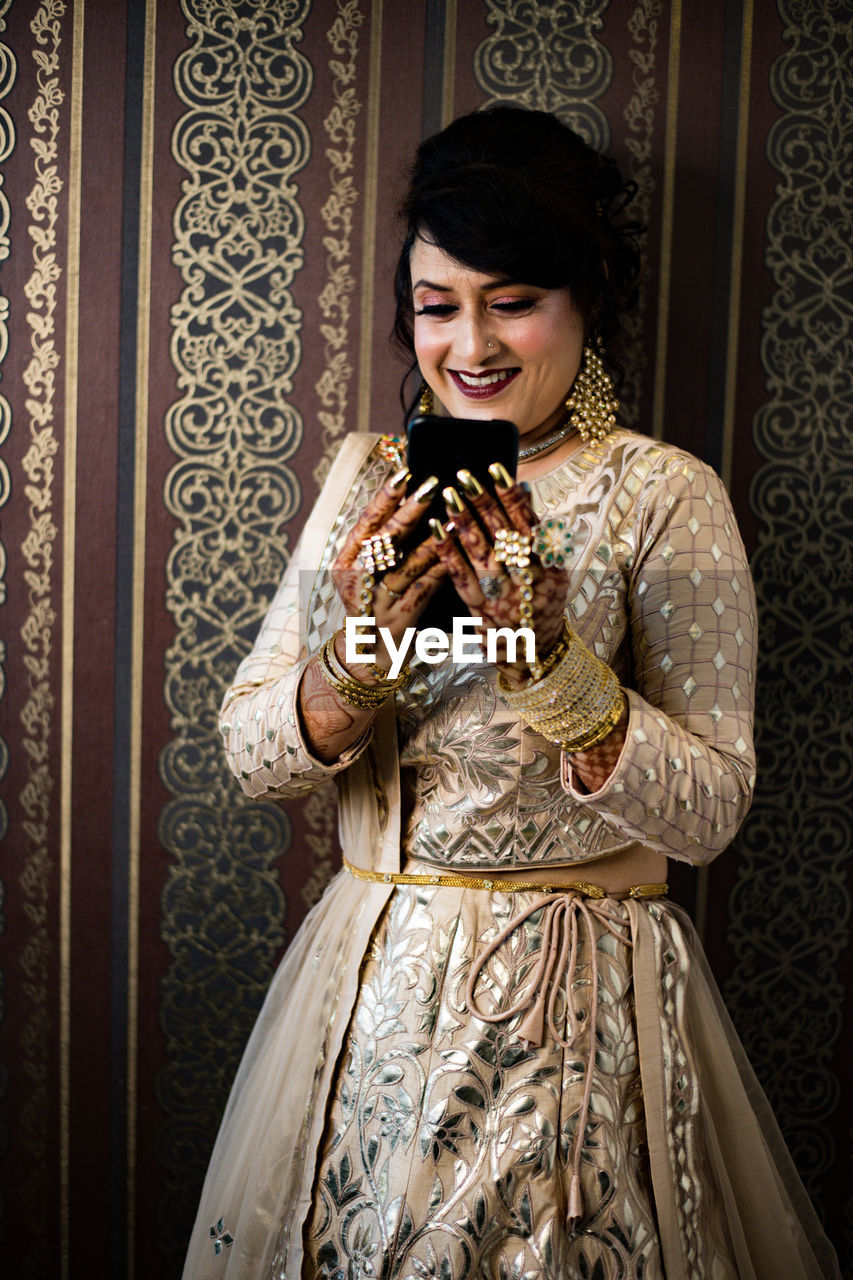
x=494, y=1049
x=492, y=348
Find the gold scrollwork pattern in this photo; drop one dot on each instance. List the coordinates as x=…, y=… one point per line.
x=337, y=215
x=8, y=70
x=791, y=897
x=37, y=631
x=547, y=56
x=236, y=346
x=639, y=116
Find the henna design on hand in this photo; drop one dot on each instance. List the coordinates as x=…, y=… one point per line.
x=472, y=557
x=595, y=766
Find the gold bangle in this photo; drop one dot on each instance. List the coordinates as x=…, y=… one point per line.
x=586, y=724
x=551, y=689
x=351, y=696
x=576, y=704
x=559, y=651
x=369, y=697
x=538, y=670
x=598, y=735
x=382, y=678
x=353, y=692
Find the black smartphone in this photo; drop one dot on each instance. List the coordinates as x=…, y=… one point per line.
x=441, y=447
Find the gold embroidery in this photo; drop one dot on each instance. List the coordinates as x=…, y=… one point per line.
x=447, y=1143
x=331, y=998
x=702, y=1231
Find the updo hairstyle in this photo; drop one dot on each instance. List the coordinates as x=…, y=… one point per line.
x=513, y=192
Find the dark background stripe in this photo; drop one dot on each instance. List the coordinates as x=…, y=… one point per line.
x=434, y=40
x=732, y=73
x=126, y=535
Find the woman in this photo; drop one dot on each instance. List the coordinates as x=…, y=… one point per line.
x=493, y=1049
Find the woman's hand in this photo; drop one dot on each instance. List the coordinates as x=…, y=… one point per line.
x=513, y=510
x=400, y=594
x=332, y=725
x=476, y=521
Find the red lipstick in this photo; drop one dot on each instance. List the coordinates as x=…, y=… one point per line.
x=485, y=390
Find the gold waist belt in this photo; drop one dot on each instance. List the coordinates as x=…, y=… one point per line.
x=582, y=887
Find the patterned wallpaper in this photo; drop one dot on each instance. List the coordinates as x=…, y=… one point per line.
x=197, y=232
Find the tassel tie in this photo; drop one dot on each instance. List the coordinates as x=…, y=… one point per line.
x=561, y=926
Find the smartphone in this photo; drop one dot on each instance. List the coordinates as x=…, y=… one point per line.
x=441, y=447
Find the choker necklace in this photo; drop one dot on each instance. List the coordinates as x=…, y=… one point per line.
x=539, y=446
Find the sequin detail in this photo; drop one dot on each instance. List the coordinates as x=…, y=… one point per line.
x=221, y=1238
x=483, y=791
x=449, y=1141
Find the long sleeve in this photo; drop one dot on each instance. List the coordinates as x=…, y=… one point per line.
x=684, y=779
x=264, y=741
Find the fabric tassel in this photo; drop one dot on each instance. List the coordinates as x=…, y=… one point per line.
x=575, y=1201
x=532, y=1028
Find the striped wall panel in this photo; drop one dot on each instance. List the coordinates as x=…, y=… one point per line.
x=197, y=229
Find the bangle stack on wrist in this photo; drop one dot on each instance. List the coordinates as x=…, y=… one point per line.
x=576, y=703
x=355, y=692
x=541, y=669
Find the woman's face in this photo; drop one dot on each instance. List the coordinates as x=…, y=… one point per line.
x=491, y=347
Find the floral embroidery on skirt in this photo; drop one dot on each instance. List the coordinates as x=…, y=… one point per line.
x=448, y=1143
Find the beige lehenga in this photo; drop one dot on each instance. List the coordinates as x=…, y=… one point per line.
x=422, y=1095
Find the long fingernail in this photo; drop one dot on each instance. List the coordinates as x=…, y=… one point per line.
x=470, y=483
x=455, y=505
x=437, y=529
x=425, y=491
x=400, y=479
x=500, y=475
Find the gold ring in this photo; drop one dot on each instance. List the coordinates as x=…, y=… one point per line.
x=512, y=548
x=552, y=542
x=378, y=553
x=395, y=595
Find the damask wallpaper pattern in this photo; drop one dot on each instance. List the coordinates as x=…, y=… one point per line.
x=236, y=343
x=791, y=866
x=196, y=241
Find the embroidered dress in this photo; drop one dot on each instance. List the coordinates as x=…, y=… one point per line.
x=411, y=1102
x=450, y=1142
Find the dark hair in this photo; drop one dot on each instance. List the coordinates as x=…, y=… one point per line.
x=516, y=192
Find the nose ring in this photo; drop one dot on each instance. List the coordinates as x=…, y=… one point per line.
x=490, y=344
